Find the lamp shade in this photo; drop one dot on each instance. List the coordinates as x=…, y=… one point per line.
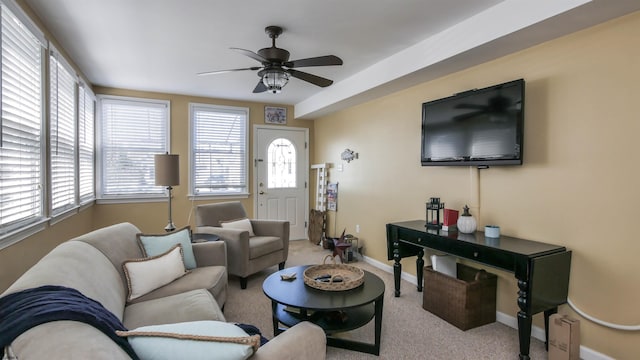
x=167, y=169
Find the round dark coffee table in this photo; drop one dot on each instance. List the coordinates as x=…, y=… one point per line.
x=334, y=311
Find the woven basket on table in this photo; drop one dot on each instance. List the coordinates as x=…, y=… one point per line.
x=351, y=276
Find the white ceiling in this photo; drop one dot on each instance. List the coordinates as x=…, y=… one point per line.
x=160, y=45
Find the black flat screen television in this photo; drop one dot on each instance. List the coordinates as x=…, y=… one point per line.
x=480, y=127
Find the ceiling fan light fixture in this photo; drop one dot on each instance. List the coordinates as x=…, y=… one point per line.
x=275, y=80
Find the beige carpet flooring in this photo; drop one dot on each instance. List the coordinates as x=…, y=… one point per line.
x=408, y=331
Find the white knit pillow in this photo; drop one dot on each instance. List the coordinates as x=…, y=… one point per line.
x=147, y=274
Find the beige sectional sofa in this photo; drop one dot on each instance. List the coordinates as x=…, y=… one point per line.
x=92, y=264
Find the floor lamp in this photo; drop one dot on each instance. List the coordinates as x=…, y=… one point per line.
x=167, y=174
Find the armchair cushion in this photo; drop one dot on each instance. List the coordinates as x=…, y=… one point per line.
x=262, y=245
x=156, y=244
x=240, y=224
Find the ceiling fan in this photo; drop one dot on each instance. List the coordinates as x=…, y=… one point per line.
x=276, y=68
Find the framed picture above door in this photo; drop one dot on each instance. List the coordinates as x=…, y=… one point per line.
x=275, y=115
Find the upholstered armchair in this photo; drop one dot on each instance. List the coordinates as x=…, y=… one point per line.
x=252, y=245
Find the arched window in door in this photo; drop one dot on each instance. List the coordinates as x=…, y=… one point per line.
x=281, y=161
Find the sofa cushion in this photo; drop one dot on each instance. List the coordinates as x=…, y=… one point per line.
x=211, y=278
x=156, y=244
x=187, y=306
x=239, y=224
x=147, y=274
x=192, y=340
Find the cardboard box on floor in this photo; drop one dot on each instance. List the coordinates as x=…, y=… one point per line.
x=564, y=338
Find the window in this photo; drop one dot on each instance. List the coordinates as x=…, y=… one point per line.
x=62, y=134
x=281, y=163
x=86, y=150
x=218, y=161
x=21, y=136
x=132, y=131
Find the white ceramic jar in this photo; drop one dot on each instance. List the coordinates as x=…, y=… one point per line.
x=466, y=222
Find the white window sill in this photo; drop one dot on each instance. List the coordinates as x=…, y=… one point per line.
x=22, y=233
x=218, y=196
x=131, y=200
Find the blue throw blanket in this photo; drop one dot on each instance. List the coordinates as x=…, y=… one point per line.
x=20, y=311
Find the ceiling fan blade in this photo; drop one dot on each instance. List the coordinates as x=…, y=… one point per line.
x=251, y=54
x=315, y=61
x=261, y=87
x=226, y=71
x=314, y=79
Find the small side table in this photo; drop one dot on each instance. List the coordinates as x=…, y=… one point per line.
x=203, y=237
x=346, y=249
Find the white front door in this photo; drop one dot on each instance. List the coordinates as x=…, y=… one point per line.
x=281, y=165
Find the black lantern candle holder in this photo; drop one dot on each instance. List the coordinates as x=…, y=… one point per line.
x=434, y=206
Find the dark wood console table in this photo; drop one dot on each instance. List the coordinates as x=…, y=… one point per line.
x=542, y=270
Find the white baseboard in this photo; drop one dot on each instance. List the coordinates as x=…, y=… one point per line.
x=536, y=332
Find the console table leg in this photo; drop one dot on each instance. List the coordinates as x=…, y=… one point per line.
x=420, y=268
x=524, y=320
x=548, y=313
x=397, y=268
x=524, y=334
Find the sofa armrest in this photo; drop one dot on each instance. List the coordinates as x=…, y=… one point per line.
x=211, y=253
x=302, y=341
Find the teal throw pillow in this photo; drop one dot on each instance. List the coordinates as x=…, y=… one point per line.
x=153, y=245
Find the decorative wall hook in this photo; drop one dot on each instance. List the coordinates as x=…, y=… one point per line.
x=348, y=155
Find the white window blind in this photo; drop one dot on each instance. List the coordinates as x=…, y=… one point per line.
x=132, y=132
x=218, y=150
x=86, y=141
x=62, y=134
x=21, y=158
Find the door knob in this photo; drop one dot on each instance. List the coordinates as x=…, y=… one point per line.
x=261, y=193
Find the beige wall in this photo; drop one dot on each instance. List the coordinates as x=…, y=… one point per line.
x=19, y=257
x=577, y=186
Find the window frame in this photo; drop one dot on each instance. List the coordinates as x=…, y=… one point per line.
x=84, y=91
x=153, y=196
x=72, y=206
x=193, y=195
x=24, y=227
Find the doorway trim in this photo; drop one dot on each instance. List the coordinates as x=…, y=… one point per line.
x=254, y=178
